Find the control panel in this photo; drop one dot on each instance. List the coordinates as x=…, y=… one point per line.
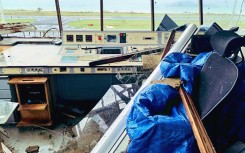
x=123, y=38
x=70, y=70
x=115, y=38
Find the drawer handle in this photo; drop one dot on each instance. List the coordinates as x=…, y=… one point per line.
x=27, y=80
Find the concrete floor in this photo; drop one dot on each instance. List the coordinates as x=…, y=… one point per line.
x=49, y=140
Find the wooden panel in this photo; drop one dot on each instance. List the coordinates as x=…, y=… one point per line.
x=35, y=116
x=203, y=141
x=33, y=107
x=28, y=80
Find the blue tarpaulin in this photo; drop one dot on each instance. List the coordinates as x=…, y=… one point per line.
x=183, y=66
x=158, y=121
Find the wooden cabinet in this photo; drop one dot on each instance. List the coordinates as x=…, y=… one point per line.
x=34, y=100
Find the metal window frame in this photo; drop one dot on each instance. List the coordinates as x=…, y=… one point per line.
x=200, y=4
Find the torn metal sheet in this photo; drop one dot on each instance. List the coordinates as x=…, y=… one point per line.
x=4, y=148
x=6, y=109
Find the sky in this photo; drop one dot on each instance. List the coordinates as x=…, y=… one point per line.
x=124, y=5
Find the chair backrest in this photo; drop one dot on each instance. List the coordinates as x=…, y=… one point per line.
x=217, y=78
x=227, y=44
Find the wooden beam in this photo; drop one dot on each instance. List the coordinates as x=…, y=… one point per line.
x=173, y=82
x=126, y=56
x=203, y=141
x=169, y=44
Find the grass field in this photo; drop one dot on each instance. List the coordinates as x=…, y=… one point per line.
x=19, y=20
x=53, y=13
x=111, y=24
x=141, y=24
x=224, y=20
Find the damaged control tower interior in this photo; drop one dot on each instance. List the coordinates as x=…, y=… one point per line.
x=107, y=76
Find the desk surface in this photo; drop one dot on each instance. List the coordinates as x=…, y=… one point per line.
x=28, y=55
x=23, y=55
x=6, y=109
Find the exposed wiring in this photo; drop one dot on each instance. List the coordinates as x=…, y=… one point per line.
x=33, y=26
x=56, y=39
x=48, y=31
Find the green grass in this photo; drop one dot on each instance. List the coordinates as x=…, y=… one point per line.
x=222, y=19
x=29, y=13
x=18, y=20
x=53, y=13
x=111, y=24
x=85, y=24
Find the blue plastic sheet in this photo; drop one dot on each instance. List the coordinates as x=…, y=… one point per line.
x=158, y=121
x=184, y=67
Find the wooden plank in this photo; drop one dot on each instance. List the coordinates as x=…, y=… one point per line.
x=32, y=107
x=123, y=57
x=47, y=95
x=169, y=44
x=173, y=82
x=28, y=80
x=18, y=94
x=203, y=141
x=30, y=118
